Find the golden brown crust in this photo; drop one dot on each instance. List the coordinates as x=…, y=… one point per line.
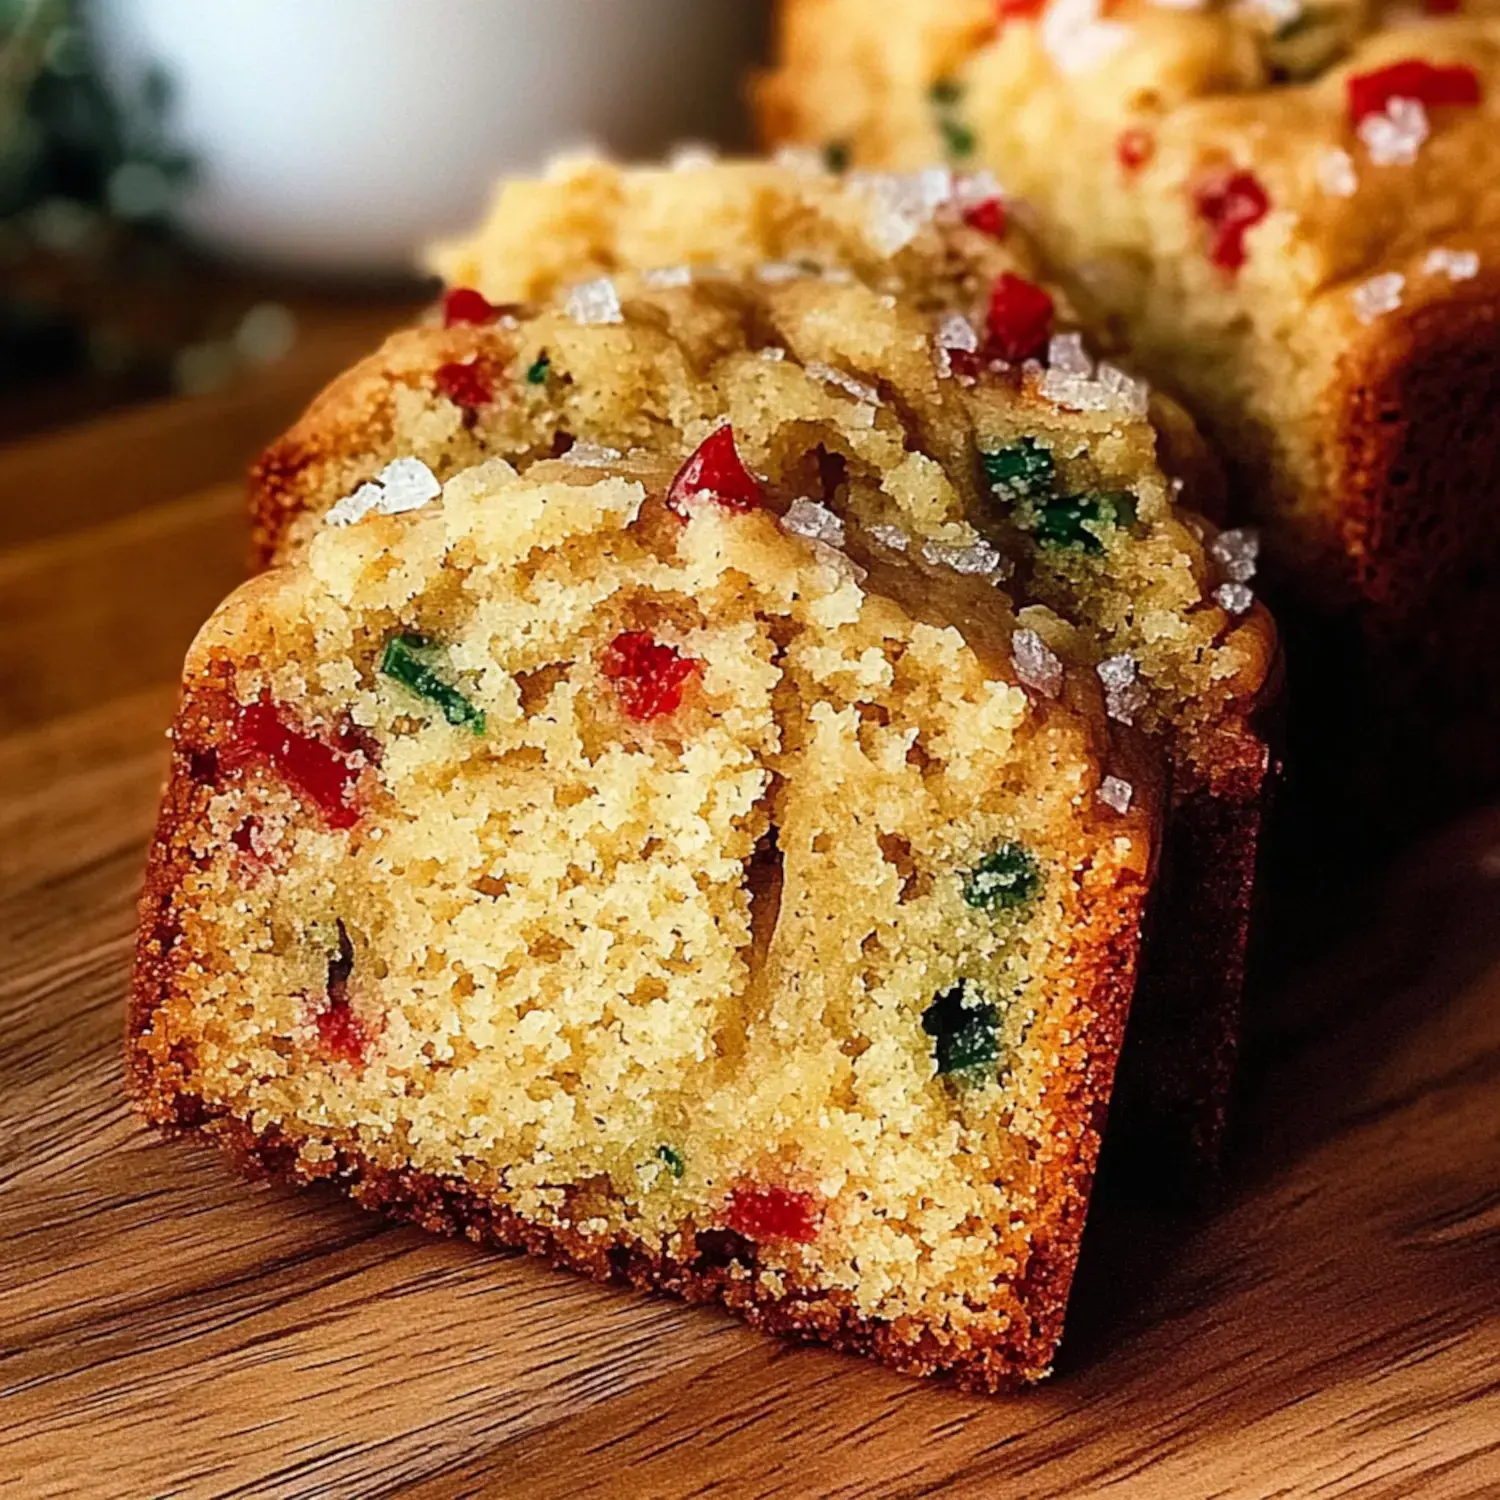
x=160, y=1075
x=1413, y=468
x=1409, y=445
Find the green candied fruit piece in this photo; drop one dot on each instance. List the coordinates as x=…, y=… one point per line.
x=959, y=139
x=672, y=1158
x=836, y=156
x=538, y=372
x=1007, y=877
x=1077, y=520
x=965, y=1028
x=404, y=660
x=946, y=92
x=1019, y=470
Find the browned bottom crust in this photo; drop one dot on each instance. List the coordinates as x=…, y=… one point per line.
x=723, y=1269
x=723, y=1266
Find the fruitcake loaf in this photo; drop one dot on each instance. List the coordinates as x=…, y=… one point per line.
x=849, y=329
x=629, y=863
x=1291, y=211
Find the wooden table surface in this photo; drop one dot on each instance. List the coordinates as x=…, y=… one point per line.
x=1331, y=1327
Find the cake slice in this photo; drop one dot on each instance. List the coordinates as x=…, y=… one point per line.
x=628, y=862
x=893, y=349
x=1289, y=210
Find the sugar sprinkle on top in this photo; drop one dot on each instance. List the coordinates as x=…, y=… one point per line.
x=1457, y=265
x=1236, y=552
x=807, y=518
x=1234, y=597
x=1075, y=37
x=1395, y=135
x=846, y=383
x=902, y=205
x=775, y=271
x=957, y=332
x=668, y=276
x=592, y=455
x=888, y=536
x=1124, y=696
x=1036, y=664
x=692, y=156
x=1336, y=173
x=596, y=301
x=1065, y=352
x=807, y=160
x=1377, y=296
x=977, y=559
x=404, y=484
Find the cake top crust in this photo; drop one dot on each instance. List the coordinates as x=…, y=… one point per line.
x=948, y=404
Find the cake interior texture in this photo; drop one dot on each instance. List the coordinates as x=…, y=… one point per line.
x=849, y=329
x=1294, y=223
x=664, y=887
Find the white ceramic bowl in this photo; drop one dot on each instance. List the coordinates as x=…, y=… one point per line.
x=342, y=134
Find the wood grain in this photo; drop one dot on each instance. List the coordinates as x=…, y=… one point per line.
x=1331, y=1327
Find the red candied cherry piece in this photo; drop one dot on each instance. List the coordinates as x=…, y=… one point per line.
x=1230, y=204
x=462, y=304
x=1134, y=147
x=1443, y=7
x=466, y=383
x=988, y=217
x=1427, y=83
x=1018, y=10
x=714, y=472
x=649, y=676
x=341, y=1034
x=325, y=775
x=773, y=1213
x=1019, y=321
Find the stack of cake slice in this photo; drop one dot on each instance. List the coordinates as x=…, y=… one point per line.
x=686, y=795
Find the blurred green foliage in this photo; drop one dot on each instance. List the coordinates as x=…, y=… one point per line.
x=87, y=180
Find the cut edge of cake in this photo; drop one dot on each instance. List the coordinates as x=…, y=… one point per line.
x=165, y=1077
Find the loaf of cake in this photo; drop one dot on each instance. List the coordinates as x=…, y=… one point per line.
x=1289, y=210
x=908, y=322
